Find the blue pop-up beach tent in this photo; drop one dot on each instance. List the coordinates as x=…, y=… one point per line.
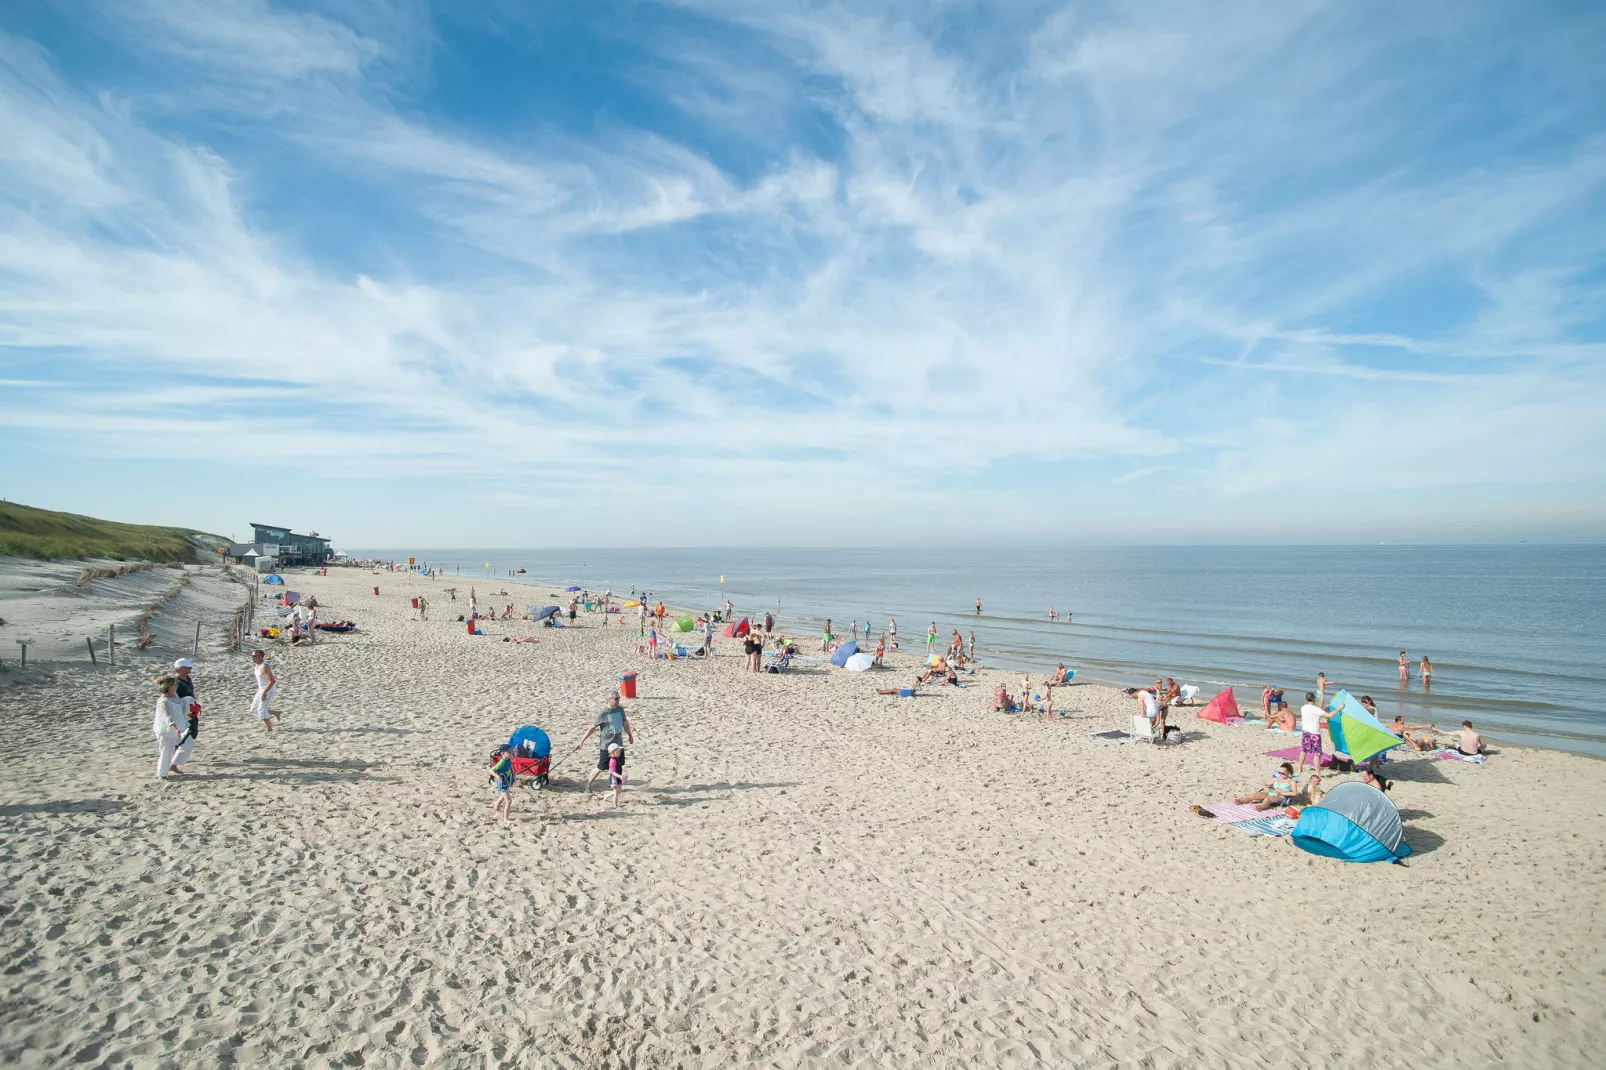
x=840, y=656
x=1356, y=732
x=1354, y=823
x=273, y=579
x=539, y=746
x=546, y=611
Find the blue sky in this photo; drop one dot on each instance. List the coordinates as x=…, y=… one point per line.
x=712, y=272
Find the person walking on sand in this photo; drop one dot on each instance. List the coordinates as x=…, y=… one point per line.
x=168, y=725
x=185, y=691
x=267, y=686
x=825, y=635
x=502, y=779
x=1310, y=733
x=423, y=608
x=1405, y=670
x=612, y=727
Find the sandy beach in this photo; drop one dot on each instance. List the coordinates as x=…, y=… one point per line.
x=803, y=874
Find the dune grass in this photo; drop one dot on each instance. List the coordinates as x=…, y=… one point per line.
x=48, y=536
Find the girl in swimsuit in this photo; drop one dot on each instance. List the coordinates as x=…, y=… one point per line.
x=1425, y=670
x=1405, y=668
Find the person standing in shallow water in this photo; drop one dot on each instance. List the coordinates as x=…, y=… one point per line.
x=1405, y=669
x=978, y=607
x=1425, y=670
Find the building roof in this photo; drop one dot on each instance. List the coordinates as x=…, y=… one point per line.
x=287, y=532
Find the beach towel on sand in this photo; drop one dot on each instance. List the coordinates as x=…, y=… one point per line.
x=1457, y=756
x=1267, y=824
x=1115, y=735
x=1291, y=754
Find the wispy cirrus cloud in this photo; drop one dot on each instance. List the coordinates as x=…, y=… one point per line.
x=638, y=252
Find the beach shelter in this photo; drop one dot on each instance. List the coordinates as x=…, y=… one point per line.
x=544, y=612
x=739, y=629
x=274, y=579
x=1356, y=732
x=1220, y=708
x=683, y=624
x=840, y=656
x=1354, y=823
x=632, y=604
x=934, y=660
x=531, y=742
x=860, y=662
x=571, y=588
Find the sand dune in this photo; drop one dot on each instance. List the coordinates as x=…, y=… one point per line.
x=805, y=873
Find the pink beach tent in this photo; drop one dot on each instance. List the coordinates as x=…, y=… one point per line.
x=1220, y=708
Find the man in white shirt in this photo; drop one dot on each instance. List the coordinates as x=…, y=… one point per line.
x=1310, y=732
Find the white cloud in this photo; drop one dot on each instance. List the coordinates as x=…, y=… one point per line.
x=1054, y=261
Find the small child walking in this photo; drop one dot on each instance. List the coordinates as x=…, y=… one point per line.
x=502, y=779
x=616, y=771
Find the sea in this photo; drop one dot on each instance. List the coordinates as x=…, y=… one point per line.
x=1516, y=633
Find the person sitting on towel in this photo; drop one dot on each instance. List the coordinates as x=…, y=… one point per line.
x=1281, y=719
x=1403, y=730
x=1279, y=791
x=1471, y=744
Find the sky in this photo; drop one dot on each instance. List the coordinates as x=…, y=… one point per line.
x=736, y=272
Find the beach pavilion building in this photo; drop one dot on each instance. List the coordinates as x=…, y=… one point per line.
x=282, y=545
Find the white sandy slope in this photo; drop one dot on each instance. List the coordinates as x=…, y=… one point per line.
x=805, y=874
x=41, y=602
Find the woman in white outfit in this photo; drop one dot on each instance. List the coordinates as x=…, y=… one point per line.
x=169, y=725
x=267, y=685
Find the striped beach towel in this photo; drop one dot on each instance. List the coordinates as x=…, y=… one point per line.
x=1269, y=824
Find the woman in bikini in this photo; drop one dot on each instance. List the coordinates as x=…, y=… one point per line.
x=1425, y=670
x=1405, y=669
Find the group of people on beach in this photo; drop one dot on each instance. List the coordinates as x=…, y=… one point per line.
x=177, y=724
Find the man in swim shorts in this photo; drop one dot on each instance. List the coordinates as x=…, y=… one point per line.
x=1310, y=733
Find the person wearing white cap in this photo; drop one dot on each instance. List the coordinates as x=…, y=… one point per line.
x=186, y=694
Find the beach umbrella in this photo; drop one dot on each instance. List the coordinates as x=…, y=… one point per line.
x=840, y=656
x=1356, y=732
x=571, y=588
x=546, y=611
x=934, y=660
x=683, y=624
x=1354, y=823
x=860, y=662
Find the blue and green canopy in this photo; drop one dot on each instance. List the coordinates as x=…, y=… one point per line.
x=1356, y=732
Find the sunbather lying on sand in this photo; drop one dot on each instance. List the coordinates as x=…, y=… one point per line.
x=521, y=639
x=1279, y=791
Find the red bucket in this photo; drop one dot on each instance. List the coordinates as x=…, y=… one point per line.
x=627, y=685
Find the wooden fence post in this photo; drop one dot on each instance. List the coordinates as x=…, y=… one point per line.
x=111, y=644
x=90, y=643
x=195, y=648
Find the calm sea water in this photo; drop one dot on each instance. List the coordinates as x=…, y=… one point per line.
x=1516, y=634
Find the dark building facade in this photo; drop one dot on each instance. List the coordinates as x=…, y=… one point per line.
x=293, y=549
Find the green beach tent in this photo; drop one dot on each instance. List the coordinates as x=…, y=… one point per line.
x=1356, y=732
x=683, y=624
